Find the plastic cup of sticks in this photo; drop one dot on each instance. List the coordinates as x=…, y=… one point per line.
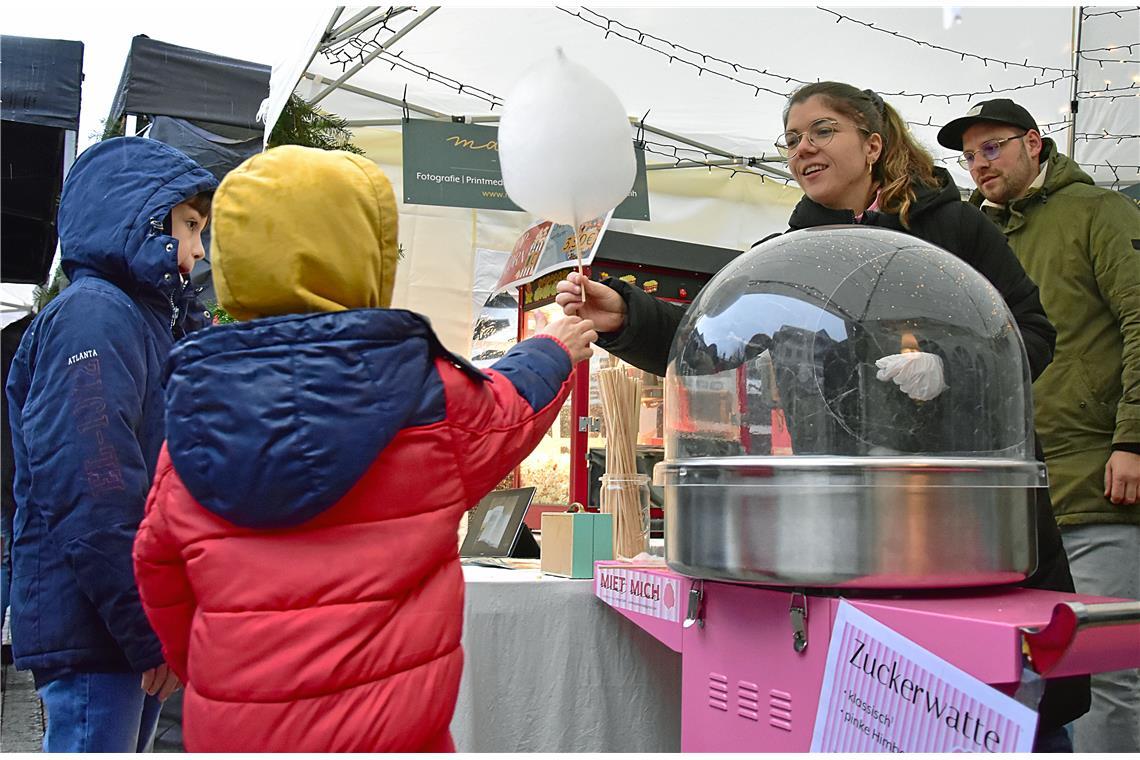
x=626, y=497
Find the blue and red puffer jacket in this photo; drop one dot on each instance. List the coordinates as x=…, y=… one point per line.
x=299, y=557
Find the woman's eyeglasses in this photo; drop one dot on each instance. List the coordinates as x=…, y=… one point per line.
x=988, y=150
x=819, y=133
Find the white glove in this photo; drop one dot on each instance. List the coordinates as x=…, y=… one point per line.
x=916, y=373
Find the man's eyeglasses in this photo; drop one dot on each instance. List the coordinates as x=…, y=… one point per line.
x=988, y=150
x=819, y=133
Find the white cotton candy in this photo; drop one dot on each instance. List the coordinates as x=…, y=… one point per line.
x=565, y=145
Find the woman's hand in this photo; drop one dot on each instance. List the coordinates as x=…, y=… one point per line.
x=575, y=333
x=604, y=306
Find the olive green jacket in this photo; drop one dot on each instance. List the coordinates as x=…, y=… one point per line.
x=1081, y=245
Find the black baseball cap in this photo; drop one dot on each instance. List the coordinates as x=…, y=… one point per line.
x=1001, y=110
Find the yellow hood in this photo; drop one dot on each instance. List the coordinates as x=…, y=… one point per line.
x=299, y=230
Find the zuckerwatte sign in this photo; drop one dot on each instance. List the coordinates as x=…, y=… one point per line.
x=456, y=164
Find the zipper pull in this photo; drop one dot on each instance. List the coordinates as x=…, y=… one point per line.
x=155, y=227
x=173, y=313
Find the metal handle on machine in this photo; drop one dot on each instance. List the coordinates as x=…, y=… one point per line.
x=1105, y=613
x=1047, y=646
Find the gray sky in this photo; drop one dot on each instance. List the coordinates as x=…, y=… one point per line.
x=253, y=31
x=263, y=32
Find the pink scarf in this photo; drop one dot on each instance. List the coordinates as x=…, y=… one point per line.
x=873, y=207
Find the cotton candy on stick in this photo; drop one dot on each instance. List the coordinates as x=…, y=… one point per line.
x=565, y=146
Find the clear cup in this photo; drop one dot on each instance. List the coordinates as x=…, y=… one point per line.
x=626, y=497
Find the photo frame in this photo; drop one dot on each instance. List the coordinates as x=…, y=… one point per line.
x=496, y=527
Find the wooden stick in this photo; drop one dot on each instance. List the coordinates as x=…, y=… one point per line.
x=622, y=496
x=578, y=254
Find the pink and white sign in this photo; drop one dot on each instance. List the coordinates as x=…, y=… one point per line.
x=648, y=593
x=884, y=693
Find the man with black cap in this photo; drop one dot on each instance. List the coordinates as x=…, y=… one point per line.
x=1081, y=245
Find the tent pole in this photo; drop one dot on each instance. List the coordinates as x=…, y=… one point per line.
x=332, y=21
x=692, y=163
x=707, y=148
x=328, y=27
x=371, y=56
x=728, y=158
x=1078, y=19
x=363, y=14
x=364, y=26
x=679, y=138
x=695, y=164
x=383, y=99
x=353, y=123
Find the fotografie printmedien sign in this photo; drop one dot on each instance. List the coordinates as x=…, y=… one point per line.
x=884, y=693
x=456, y=164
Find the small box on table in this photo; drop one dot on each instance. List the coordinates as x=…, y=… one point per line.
x=572, y=541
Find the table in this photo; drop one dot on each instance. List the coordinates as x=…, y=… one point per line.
x=548, y=667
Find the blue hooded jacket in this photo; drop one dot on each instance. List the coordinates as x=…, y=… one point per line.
x=86, y=409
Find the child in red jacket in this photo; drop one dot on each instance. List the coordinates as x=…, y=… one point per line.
x=298, y=558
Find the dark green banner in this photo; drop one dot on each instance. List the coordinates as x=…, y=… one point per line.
x=455, y=164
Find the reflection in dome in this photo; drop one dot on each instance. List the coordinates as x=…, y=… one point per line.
x=790, y=333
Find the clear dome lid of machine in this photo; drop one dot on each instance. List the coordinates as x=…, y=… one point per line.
x=848, y=341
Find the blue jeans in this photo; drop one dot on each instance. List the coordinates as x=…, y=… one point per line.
x=6, y=569
x=98, y=712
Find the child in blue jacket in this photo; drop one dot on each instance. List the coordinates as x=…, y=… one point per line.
x=86, y=411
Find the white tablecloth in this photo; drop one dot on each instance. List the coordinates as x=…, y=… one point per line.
x=550, y=668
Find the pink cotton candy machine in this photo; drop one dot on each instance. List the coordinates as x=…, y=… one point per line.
x=754, y=659
x=849, y=421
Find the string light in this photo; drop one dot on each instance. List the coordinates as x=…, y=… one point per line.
x=1109, y=49
x=1103, y=61
x=355, y=50
x=1103, y=135
x=1085, y=14
x=673, y=53
x=744, y=165
x=340, y=53
x=1084, y=54
x=1114, y=168
x=928, y=123
x=1046, y=128
x=618, y=29
x=985, y=59
x=1131, y=91
x=922, y=96
x=705, y=57
x=397, y=60
x=1054, y=127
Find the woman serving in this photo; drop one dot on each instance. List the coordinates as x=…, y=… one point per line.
x=858, y=164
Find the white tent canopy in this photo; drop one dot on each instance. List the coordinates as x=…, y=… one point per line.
x=16, y=300
x=710, y=84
